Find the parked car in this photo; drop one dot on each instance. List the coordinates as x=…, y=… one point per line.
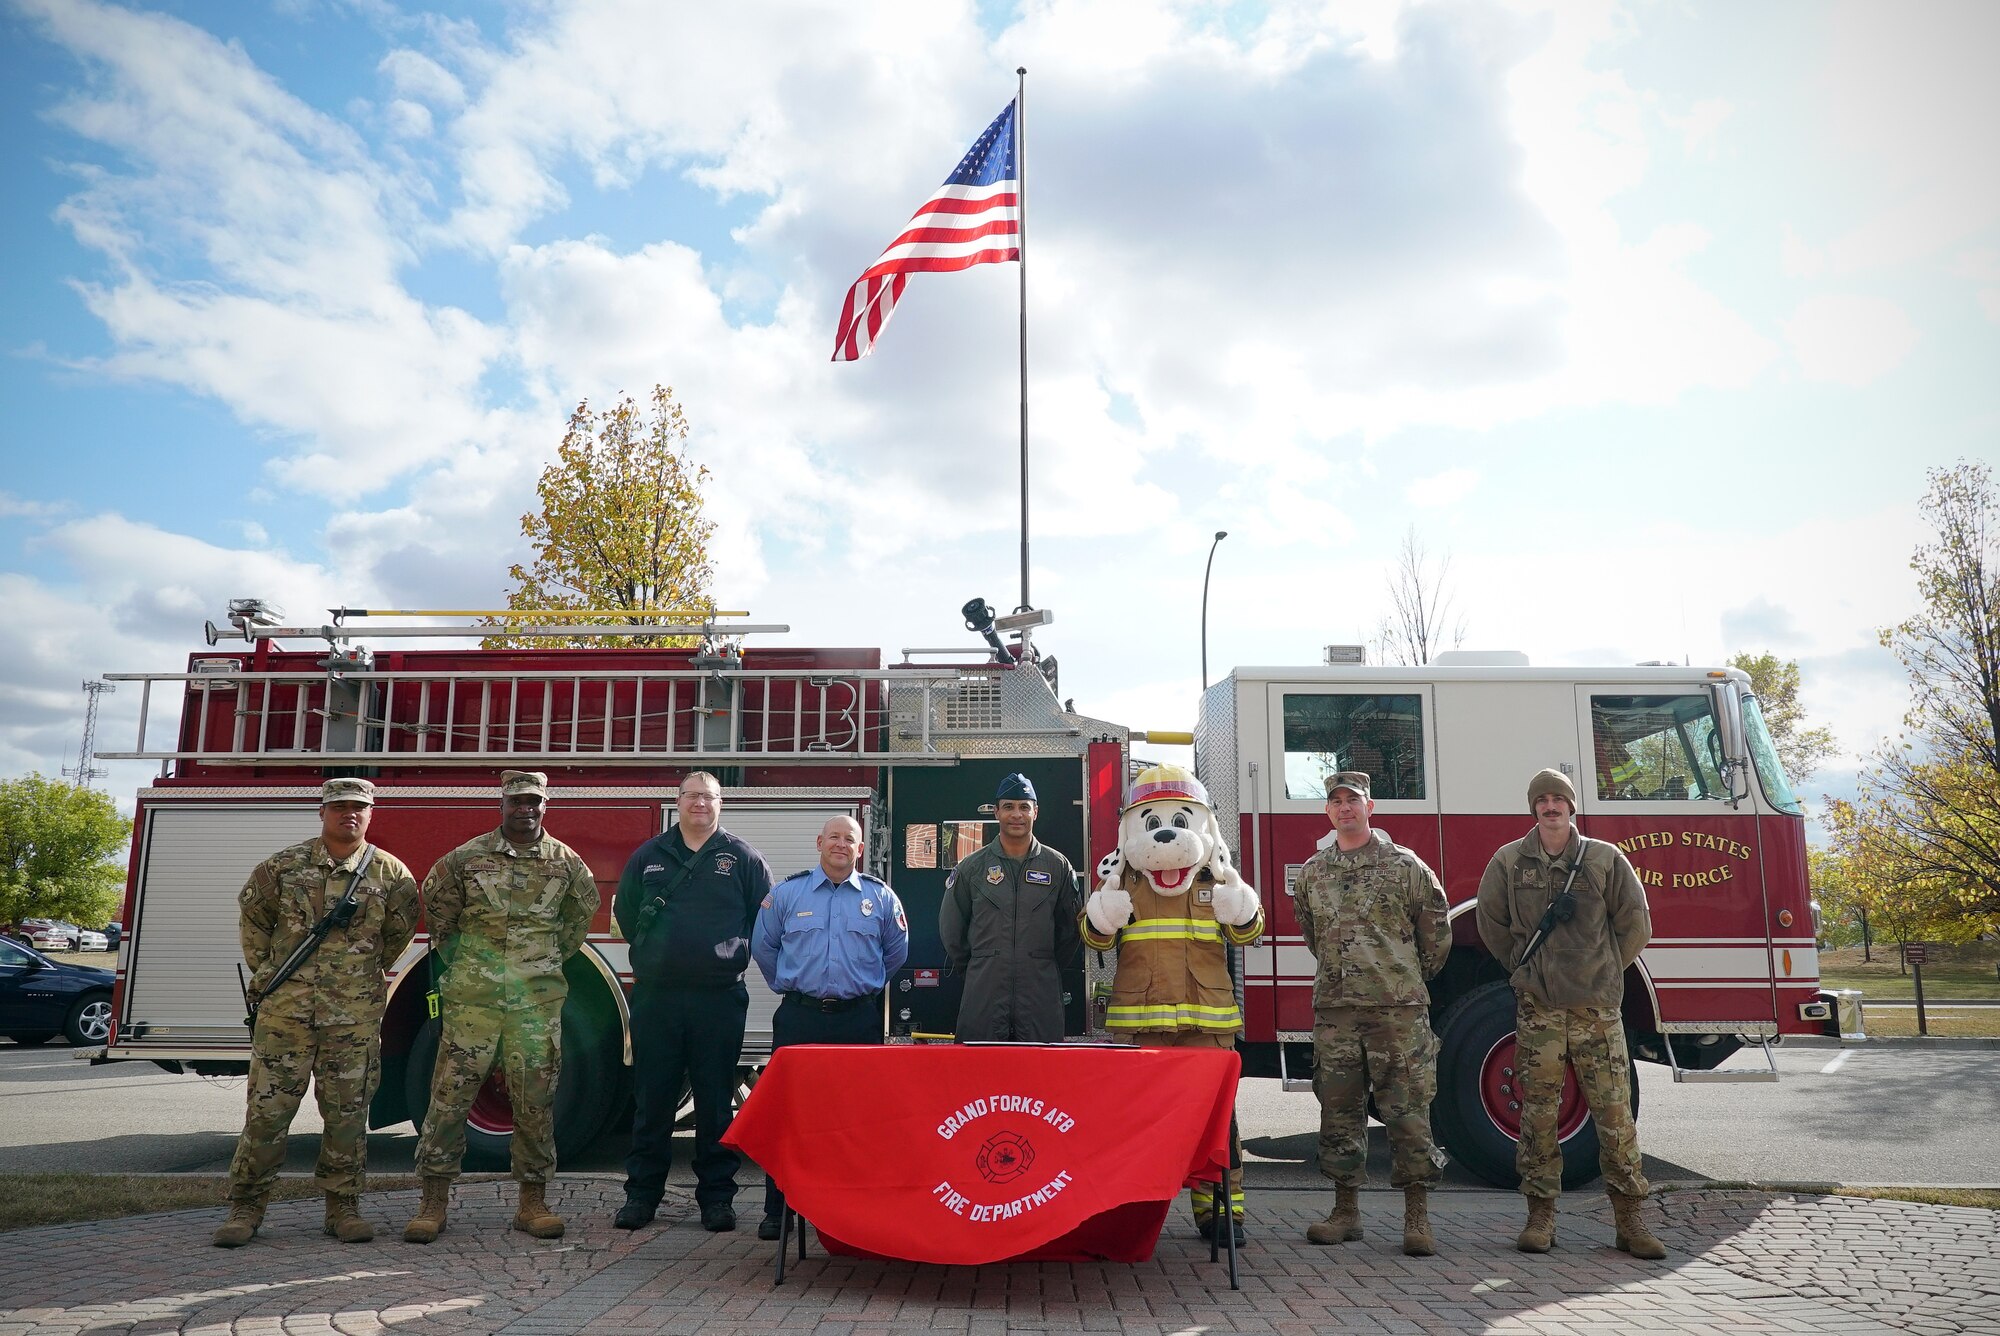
x=42, y=998
x=50, y=934
x=89, y=939
x=114, y=933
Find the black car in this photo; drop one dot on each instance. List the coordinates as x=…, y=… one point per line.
x=41, y=998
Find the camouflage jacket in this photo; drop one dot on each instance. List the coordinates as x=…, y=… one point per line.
x=505, y=918
x=1375, y=919
x=341, y=982
x=1584, y=961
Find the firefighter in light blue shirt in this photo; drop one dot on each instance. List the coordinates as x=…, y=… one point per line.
x=827, y=940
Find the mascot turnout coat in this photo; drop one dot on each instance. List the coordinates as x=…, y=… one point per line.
x=1171, y=904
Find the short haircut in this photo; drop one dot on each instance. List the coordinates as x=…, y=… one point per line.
x=693, y=775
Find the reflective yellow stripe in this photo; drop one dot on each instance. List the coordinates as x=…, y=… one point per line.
x=1190, y=930
x=1246, y=934
x=1179, y=1016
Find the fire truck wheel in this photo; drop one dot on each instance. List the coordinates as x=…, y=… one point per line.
x=1476, y=1116
x=591, y=1068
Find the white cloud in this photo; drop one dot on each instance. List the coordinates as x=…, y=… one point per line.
x=1921, y=136
x=1849, y=340
x=414, y=75
x=1442, y=489
x=409, y=120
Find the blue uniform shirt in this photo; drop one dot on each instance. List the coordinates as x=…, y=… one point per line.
x=830, y=939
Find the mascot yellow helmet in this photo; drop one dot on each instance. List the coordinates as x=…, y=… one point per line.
x=1156, y=782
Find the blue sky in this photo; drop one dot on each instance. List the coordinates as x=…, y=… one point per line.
x=1651, y=315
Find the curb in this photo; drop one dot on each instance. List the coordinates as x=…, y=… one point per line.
x=1892, y=1041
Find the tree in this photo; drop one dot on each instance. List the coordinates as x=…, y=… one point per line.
x=57, y=848
x=1421, y=617
x=1937, y=788
x=621, y=524
x=1775, y=683
x=1867, y=872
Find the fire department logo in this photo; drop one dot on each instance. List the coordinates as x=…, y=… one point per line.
x=1004, y=1157
x=725, y=864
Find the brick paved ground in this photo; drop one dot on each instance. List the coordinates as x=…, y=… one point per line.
x=1741, y=1262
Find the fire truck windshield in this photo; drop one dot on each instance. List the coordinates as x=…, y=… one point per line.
x=1764, y=755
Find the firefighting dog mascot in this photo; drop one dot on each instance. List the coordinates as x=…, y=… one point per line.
x=1168, y=899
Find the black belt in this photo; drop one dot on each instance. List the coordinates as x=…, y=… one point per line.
x=811, y=1003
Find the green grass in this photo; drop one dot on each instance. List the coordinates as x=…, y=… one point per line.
x=1951, y=972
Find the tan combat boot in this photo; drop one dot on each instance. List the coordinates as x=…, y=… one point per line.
x=1540, y=1234
x=1633, y=1236
x=1343, y=1224
x=241, y=1226
x=428, y=1222
x=1417, y=1222
x=343, y=1218
x=534, y=1216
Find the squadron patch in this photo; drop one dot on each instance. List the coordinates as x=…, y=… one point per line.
x=994, y=874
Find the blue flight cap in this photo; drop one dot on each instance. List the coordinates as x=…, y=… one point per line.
x=1016, y=785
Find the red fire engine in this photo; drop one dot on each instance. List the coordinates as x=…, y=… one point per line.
x=1674, y=765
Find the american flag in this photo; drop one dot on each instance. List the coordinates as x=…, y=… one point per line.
x=974, y=218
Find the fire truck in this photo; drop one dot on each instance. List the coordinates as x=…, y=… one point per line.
x=1674, y=764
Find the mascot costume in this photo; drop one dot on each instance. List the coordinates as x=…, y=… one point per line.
x=1171, y=903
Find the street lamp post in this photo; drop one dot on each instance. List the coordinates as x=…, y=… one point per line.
x=1220, y=534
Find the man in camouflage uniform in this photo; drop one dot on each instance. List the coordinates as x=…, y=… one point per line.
x=1566, y=1001
x=1374, y=917
x=504, y=912
x=325, y=1021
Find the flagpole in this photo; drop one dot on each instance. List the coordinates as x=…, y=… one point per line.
x=1021, y=167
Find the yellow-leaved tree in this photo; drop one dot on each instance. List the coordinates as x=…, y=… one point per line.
x=620, y=528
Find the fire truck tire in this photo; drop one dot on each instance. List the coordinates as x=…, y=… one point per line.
x=588, y=1093
x=1470, y=1030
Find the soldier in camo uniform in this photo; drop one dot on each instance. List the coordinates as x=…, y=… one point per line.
x=1566, y=1002
x=1374, y=917
x=504, y=912
x=324, y=1023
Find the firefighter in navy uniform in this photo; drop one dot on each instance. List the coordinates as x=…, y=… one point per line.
x=827, y=940
x=686, y=903
x=1009, y=925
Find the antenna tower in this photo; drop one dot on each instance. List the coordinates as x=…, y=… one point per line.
x=83, y=771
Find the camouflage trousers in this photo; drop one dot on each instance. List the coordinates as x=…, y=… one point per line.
x=1204, y=1195
x=1593, y=1039
x=343, y=1063
x=1392, y=1051
x=526, y=1044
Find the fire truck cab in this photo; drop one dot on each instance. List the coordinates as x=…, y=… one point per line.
x=1672, y=764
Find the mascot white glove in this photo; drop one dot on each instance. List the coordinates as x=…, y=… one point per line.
x=1235, y=899
x=1110, y=905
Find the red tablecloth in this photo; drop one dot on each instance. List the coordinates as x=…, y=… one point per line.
x=970, y=1154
